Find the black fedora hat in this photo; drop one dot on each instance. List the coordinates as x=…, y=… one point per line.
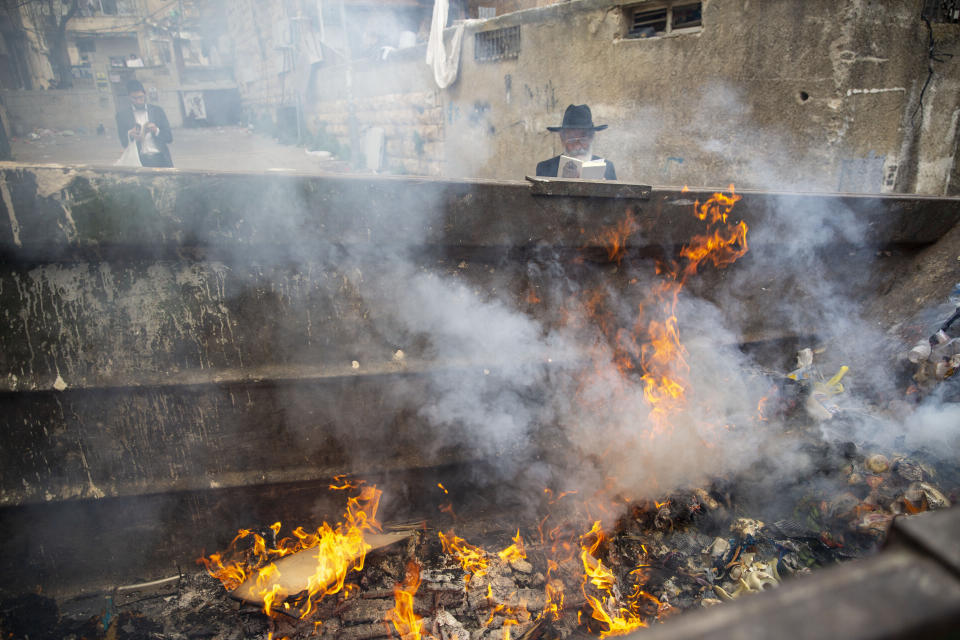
x=577, y=116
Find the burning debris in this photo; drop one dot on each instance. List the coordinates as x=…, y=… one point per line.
x=654, y=557
x=659, y=558
x=597, y=565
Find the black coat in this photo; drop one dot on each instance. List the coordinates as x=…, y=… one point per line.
x=549, y=168
x=155, y=114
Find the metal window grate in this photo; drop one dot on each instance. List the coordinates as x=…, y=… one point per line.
x=686, y=16
x=642, y=21
x=646, y=23
x=500, y=44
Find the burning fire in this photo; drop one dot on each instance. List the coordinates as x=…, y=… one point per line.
x=615, y=238
x=650, y=349
x=407, y=623
x=514, y=552
x=651, y=346
x=339, y=549
x=473, y=559
x=616, y=616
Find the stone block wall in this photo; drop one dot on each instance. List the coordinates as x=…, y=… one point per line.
x=412, y=124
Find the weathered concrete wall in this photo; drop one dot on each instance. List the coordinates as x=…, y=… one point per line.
x=59, y=110
x=505, y=6
x=934, y=122
x=798, y=94
x=75, y=109
x=166, y=330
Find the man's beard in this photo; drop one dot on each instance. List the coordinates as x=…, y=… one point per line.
x=586, y=154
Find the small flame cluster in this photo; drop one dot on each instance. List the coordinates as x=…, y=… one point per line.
x=473, y=559
x=613, y=614
x=650, y=344
x=616, y=615
x=407, y=624
x=338, y=550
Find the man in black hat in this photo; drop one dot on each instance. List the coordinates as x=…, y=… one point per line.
x=147, y=126
x=576, y=134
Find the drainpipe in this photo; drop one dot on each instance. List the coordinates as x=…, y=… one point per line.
x=352, y=127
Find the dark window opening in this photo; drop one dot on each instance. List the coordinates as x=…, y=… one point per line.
x=686, y=16
x=942, y=10
x=648, y=23
x=644, y=21
x=86, y=45
x=500, y=44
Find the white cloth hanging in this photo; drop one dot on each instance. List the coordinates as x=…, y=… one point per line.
x=446, y=64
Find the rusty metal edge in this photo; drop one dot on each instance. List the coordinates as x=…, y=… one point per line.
x=676, y=191
x=577, y=188
x=905, y=591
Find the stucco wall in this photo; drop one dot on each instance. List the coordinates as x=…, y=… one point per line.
x=797, y=94
x=58, y=110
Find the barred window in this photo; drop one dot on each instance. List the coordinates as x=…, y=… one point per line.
x=646, y=21
x=499, y=44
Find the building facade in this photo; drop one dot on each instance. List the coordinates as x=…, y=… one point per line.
x=791, y=95
x=178, y=50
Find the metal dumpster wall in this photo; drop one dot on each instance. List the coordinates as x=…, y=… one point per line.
x=169, y=330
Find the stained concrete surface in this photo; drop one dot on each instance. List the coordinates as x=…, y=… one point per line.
x=221, y=148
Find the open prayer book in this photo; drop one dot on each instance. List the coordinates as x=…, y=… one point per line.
x=586, y=169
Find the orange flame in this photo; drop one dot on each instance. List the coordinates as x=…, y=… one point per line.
x=652, y=346
x=554, y=591
x=615, y=238
x=472, y=559
x=616, y=618
x=512, y=615
x=339, y=550
x=514, y=552
x=722, y=243
x=407, y=623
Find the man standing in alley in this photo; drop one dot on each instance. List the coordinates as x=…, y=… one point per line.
x=147, y=126
x=576, y=135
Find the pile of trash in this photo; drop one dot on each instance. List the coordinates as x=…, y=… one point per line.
x=695, y=548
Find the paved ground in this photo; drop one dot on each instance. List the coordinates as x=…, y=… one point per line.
x=221, y=148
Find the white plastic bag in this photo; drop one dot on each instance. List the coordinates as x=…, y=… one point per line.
x=130, y=157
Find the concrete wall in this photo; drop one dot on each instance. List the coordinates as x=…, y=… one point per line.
x=168, y=330
x=59, y=110
x=798, y=94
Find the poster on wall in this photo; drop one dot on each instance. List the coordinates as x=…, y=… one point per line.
x=193, y=105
